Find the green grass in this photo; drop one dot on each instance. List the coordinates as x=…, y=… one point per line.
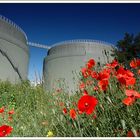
x=35, y=109
x=37, y=112
x=30, y=104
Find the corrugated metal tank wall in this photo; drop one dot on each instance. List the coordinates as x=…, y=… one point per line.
x=14, y=52
x=64, y=62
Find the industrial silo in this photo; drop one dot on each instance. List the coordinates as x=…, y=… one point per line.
x=14, y=52
x=64, y=61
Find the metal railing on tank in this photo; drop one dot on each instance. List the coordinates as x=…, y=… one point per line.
x=13, y=24
x=56, y=44
x=83, y=41
x=38, y=45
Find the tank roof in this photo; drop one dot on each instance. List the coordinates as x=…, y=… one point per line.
x=82, y=41
x=13, y=24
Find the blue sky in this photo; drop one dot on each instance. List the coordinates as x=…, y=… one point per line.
x=51, y=23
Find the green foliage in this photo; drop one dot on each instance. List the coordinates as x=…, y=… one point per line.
x=29, y=104
x=37, y=112
x=114, y=119
x=128, y=48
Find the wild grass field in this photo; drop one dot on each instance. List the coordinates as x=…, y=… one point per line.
x=107, y=105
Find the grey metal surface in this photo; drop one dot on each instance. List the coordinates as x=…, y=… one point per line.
x=14, y=52
x=64, y=61
x=13, y=25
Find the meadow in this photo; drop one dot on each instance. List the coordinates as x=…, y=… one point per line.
x=107, y=105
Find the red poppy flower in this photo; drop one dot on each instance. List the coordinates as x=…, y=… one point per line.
x=90, y=64
x=64, y=110
x=138, y=62
x=95, y=88
x=113, y=64
x=94, y=74
x=129, y=92
x=5, y=130
x=129, y=73
x=135, y=63
x=126, y=80
x=132, y=93
x=103, y=84
x=130, y=81
x=82, y=85
x=129, y=101
x=121, y=71
x=139, y=72
x=130, y=133
x=121, y=79
x=73, y=113
x=86, y=72
x=125, y=77
x=126, y=73
x=87, y=104
x=85, y=92
x=2, y=109
x=104, y=74
x=80, y=112
x=11, y=112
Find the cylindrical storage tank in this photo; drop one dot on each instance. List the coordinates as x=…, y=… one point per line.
x=14, y=52
x=64, y=61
